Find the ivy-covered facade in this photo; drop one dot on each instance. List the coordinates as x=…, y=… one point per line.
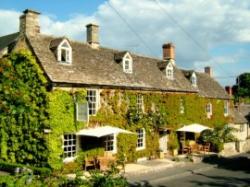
x=87, y=87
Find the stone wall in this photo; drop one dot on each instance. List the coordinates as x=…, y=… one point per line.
x=245, y=146
x=233, y=148
x=229, y=149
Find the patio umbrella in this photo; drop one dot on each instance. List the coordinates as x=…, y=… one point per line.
x=194, y=128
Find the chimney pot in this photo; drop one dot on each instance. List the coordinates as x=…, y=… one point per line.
x=229, y=90
x=168, y=51
x=93, y=35
x=208, y=70
x=29, y=22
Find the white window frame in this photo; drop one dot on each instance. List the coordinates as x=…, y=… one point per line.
x=209, y=110
x=139, y=103
x=91, y=103
x=170, y=71
x=68, y=51
x=193, y=79
x=141, y=139
x=110, y=141
x=78, y=118
x=69, y=143
x=226, y=108
x=127, y=63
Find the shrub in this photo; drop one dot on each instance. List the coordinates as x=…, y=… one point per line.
x=11, y=168
x=218, y=137
x=111, y=178
x=173, y=141
x=72, y=167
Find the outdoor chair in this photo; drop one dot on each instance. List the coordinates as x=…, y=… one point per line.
x=194, y=148
x=90, y=163
x=206, y=147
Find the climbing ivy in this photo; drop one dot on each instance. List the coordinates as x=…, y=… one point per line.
x=23, y=110
x=62, y=120
x=27, y=108
x=161, y=110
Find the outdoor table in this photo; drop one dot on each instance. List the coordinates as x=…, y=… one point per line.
x=105, y=162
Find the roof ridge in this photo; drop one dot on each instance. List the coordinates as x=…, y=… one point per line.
x=102, y=47
x=15, y=33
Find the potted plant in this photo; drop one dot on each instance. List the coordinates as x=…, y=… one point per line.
x=161, y=154
x=173, y=143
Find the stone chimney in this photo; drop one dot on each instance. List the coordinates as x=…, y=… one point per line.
x=93, y=35
x=168, y=51
x=208, y=70
x=29, y=23
x=229, y=90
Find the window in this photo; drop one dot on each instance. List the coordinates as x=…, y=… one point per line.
x=170, y=71
x=209, y=110
x=182, y=108
x=127, y=64
x=109, y=143
x=139, y=103
x=140, y=139
x=82, y=112
x=64, y=53
x=69, y=145
x=194, y=80
x=242, y=128
x=92, y=99
x=226, y=108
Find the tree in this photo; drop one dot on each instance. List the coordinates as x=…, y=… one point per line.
x=242, y=87
x=218, y=136
x=23, y=105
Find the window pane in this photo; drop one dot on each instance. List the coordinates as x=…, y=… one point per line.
x=140, y=138
x=63, y=55
x=69, y=145
x=82, y=112
x=109, y=143
x=92, y=101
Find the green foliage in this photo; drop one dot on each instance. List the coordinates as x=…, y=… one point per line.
x=118, y=108
x=173, y=141
x=11, y=167
x=218, y=136
x=126, y=147
x=242, y=89
x=89, y=154
x=23, y=105
x=62, y=120
x=111, y=178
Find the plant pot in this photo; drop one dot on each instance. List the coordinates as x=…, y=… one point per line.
x=175, y=152
x=161, y=155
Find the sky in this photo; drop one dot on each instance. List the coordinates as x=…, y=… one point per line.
x=204, y=32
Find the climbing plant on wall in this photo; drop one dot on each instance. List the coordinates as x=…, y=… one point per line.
x=62, y=120
x=161, y=110
x=23, y=105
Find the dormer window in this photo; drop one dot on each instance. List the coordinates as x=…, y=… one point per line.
x=193, y=79
x=170, y=71
x=127, y=63
x=64, y=52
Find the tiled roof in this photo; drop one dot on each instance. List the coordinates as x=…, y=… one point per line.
x=238, y=117
x=207, y=86
x=5, y=41
x=99, y=67
x=242, y=113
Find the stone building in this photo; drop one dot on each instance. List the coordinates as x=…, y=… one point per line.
x=109, y=73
